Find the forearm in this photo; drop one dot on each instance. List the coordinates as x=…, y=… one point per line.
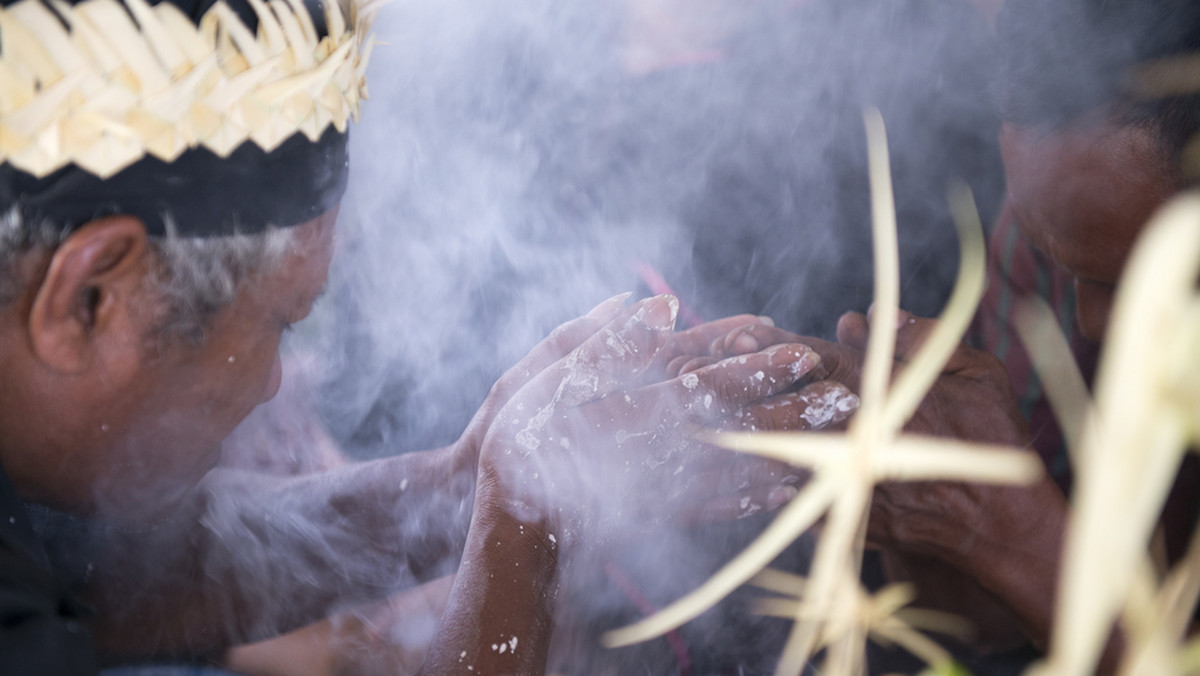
x=989, y=626
x=1017, y=556
x=252, y=556
x=384, y=638
x=1004, y=548
x=498, y=619
x=1024, y=569
x=1009, y=546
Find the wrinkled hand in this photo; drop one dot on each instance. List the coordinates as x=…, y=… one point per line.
x=972, y=401
x=578, y=445
x=565, y=338
x=1004, y=540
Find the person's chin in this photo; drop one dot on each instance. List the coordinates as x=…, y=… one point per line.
x=141, y=504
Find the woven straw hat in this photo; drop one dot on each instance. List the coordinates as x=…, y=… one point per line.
x=104, y=83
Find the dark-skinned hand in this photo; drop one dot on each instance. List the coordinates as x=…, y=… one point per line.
x=568, y=336
x=588, y=442
x=1004, y=539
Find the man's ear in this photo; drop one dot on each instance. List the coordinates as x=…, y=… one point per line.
x=86, y=292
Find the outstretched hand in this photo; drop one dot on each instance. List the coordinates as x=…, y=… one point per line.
x=1003, y=539
x=972, y=401
x=570, y=335
x=587, y=443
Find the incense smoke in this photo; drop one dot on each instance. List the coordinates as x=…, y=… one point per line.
x=518, y=163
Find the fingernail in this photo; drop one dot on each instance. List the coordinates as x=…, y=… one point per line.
x=902, y=317
x=743, y=344
x=766, y=321
x=781, y=495
x=807, y=362
x=609, y=306
x=659, y=312
x=845, y=406
x=774, y=349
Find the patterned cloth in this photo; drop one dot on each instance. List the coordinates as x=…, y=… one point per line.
x=1017, y=272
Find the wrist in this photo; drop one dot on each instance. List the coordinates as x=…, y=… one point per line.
x=1013, y=550
x=1017, y=523
x=504, y=594
x=501, y=506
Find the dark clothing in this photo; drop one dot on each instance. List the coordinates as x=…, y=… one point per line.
x=42, y=629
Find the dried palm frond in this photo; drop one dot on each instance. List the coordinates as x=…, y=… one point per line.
x=1137, y=431
x=829, y=613
x=885, y=616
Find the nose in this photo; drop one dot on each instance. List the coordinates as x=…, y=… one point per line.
x=1093, y=304
x=273, y=380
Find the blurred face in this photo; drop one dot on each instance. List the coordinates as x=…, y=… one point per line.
x=162, y=433
x=1082, y=196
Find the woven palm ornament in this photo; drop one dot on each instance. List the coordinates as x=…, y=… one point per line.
x=226, y=120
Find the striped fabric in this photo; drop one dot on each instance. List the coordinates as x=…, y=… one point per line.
x=1016, y=271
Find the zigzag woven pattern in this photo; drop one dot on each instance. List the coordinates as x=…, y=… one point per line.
x=103, y=83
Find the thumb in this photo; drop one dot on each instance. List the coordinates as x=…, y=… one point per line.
x=913, y=331
x=853, y=329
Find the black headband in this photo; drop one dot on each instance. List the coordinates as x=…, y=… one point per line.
x=201, y=194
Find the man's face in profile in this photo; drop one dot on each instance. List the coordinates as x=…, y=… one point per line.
x=165, y=428
x=1082, y=196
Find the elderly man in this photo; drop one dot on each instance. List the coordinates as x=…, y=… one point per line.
x=1087, y=163
x=170, y=184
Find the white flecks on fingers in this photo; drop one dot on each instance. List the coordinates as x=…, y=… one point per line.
x=622, y=437
x=690, y=380
x=831, y=406
x=748, y=507
x=618, y=344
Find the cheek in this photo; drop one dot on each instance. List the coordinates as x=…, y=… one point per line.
x=262, y=374
x=1092, y=309
x=275, y=379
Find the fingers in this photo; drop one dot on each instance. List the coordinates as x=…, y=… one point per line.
x=749, y=338
x=718, y=389
x=686, y=364
x=737, y=487
x=839, y=362
x=853, y=330
x=558, y=344
x=911, y=331
x=739, y=504
x=817, y=406
x=609, y=358
x=570, y=335
x=696, y=342
x=911, y=334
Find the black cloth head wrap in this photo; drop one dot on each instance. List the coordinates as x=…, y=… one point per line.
x=200, y=193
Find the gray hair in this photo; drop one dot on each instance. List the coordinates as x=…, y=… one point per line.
x=195, y=276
